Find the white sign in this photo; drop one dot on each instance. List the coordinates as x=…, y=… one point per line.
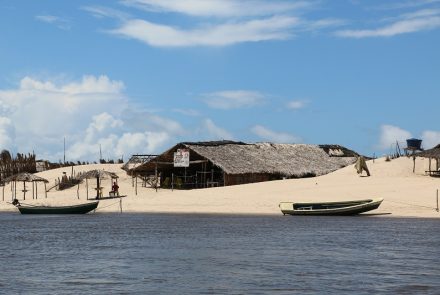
x=181, y=158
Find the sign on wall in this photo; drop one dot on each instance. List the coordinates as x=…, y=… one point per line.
x=181, y=158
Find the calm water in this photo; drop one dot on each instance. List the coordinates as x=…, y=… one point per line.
x=210, y=254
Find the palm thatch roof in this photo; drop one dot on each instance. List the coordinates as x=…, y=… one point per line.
x=290, y=160
x=431, y=153
x=97, y=174
x=27, y=177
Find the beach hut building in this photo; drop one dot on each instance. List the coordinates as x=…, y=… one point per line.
x=223, y=163
x=433, y=153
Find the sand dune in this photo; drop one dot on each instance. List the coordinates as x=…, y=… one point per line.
x=406, y=194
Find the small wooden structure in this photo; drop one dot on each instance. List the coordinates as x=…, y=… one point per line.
x=99, y=175
x=24, y=177
x=135, y=161
x=431, y=154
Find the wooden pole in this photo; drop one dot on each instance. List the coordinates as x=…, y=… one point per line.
x=36, y=190
x=33, y=193
x=414, y=164
x=136, y=187
x=437, y=202
x=24, y=190
x=97, y=188
x=87, y=188
x=3, y=192
x=45, y=190
x=429, y=166
x=77, y=191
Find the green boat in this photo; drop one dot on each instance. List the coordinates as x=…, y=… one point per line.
x=330, y=208
x=73, y=209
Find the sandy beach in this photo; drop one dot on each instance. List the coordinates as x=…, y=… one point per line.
x=406, y=194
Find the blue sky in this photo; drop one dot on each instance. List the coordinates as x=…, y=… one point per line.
x=138, y=76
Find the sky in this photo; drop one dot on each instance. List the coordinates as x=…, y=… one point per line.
x=138, y=76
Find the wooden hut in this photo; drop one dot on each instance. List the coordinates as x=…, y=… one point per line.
x=223, y=163
x=433, y=153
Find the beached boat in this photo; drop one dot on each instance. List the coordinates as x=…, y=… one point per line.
x=73, y=209
x=330, y=208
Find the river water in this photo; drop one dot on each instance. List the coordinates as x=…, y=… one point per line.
x=217, y=254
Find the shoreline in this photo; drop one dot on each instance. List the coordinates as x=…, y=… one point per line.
x=406, y=194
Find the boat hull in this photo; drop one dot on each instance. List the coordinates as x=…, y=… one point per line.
x=74, y=209
x=330, y=208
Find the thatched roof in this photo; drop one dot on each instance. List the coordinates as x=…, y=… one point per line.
x=28, y=177
x=97, y=174
x=290, y=160
x=431, y=153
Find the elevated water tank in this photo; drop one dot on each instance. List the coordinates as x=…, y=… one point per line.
x=414, y=144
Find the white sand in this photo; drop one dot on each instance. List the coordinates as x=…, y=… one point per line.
x=406, y=194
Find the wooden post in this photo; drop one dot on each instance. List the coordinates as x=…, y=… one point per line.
x=136, y=187
x=45, y=190
x=87, y=188
x=24, y=190
x=437, y=202
x=414, y=164
x=36, y=190
x=429, y=166
x=77, y=191
x=3, y=192
x=97, y=187
x=33, y=193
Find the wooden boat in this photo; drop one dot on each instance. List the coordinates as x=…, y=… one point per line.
x=73, y=209
x=330, y=208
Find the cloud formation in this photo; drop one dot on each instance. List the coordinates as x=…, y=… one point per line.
x=218, y=8
x=213, y=23
x=430, y=138
x=390, y=134
x=233, y=99
x=90, y=113
x=210, y=131
x=296, y=104
x=59, y=22
x=273, y=28
x=422, y=20
x=270, y=135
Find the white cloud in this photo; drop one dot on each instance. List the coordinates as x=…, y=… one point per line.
x=390, y=134
x=210, y=131
x=270, y=135
x=296, y=104
x=430, y=139
x=233, y=99
x=100, y=123
x=93, y=111
x=422, y=20
x=273, y=28
x=102, y=11
x=406, y=4
x=6, y=133
x=219, y=8
x=146, y=142
x=59, y=22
